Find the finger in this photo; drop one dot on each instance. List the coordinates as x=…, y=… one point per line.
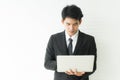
x=69, y=72
x=75, y=71
x=83, y=73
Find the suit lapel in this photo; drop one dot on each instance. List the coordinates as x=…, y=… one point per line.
x=63, y=44
x=78, y=44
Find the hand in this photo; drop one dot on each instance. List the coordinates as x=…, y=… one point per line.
x=74, y=72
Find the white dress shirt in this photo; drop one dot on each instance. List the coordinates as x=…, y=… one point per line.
x=74, y=38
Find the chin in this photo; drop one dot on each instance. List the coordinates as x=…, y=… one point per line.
x=72, y=34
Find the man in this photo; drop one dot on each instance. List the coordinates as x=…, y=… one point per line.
x=81, y=44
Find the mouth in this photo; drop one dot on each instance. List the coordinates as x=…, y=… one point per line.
x=71, y=31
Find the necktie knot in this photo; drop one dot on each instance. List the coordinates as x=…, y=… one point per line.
x=70, y=40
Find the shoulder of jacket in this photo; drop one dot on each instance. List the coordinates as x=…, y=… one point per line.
x=87, y=35
x=58, y=34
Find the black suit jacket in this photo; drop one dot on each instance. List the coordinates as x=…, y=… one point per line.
x=57, y=46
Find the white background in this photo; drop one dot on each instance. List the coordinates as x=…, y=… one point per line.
x=26, y=25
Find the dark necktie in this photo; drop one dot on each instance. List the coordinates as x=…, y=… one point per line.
x=70, y=46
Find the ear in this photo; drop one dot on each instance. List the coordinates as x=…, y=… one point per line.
x=80, y=21
x=62, y=21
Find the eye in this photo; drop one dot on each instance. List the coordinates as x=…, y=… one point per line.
x=67, y=24
x=75, y=24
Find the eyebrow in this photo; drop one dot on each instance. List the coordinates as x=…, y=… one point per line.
x=69, y=23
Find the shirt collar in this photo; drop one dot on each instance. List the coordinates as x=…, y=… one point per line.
x=73, y=37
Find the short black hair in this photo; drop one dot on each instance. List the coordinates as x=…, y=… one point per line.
x=72, y=11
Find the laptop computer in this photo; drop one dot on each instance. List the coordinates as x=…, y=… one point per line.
x=79, y=62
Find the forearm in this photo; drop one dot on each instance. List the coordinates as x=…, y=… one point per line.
x=50, y=64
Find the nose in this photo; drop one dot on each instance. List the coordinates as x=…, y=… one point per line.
x=71, y=27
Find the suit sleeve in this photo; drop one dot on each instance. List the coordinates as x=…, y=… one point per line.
x=92, y=51
x=50, y=60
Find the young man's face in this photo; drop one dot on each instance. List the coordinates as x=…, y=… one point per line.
x=71, y=25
